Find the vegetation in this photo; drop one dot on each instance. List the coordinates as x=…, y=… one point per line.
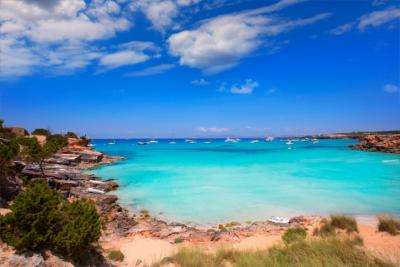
x=332, y=252
x=116, y=255
x=8, y=152
x=232, y=224
x=179, y=240
x=389, y=224
x=328, y=226
x=41, y=131
x=344, y=222
x=33, y=152
x=41, y=218
x=294, y=234
x=71, y=135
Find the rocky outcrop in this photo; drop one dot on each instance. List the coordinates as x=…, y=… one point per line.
x=389, y=143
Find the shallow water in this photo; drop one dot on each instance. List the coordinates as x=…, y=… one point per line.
x=219, y=182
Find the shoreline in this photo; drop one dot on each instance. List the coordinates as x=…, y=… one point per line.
x=145, y=239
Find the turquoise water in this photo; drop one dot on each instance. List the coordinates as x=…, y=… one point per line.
x=219, y=182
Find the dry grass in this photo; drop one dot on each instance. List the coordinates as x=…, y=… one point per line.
x=389, y=224
x=331, y=251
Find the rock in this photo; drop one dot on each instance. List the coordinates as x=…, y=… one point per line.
x=35, y=260
x=110, y=186
x=380, y=143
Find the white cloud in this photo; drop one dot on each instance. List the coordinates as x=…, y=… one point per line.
x=152, y=70
x=246, y=88
x=121, y=58
x=391, y=88
x=343, y=28
x=219, y=43
x=373, y=19
x=56, y=36
x=378, y=18
x=161, y=13
x=200, y=81
x=212, y=129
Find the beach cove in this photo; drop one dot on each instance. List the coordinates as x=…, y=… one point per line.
x=251, y=181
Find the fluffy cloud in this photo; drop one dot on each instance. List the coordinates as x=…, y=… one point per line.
x=246, y=88
x=158, y=69
x=56, y=36
x=212, y=129
x=373, y=19
x=219, y=43
x=391, y=88
x=161, y=13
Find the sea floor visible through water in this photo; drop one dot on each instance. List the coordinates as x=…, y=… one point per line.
x=209, y=183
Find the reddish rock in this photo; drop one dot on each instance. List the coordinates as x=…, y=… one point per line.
x=380, y=143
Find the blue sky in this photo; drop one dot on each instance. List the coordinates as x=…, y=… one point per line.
x=200, y=68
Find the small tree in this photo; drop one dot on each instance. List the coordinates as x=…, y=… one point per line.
x=71, y=135
x=41, y=131
x=32, y=151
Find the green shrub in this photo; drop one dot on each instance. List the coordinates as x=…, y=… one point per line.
x=389, y=224
x=34, y=218
x=81, y=227
x=42, y=218
x=179, y=240
x=71, y=135
x=294, y=234
x=41, y=131
x=232, y=224
x=344, y=222
x=116, y=255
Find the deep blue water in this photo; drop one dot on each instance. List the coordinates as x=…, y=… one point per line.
x=219, y=182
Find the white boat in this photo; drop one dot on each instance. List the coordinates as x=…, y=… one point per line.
x=278, y=220
x=207, y=142
x=112, y=143
x=190, y=141
x=315, y=140
x=152, y=141
x=95, y=191
x=91, y=145
x=289, y=142
x=254, y=141
x=269, y=139
x=172, y=142
x=141, y=143
x=231, y=140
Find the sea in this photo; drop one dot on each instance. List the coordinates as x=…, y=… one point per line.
x=213, y=181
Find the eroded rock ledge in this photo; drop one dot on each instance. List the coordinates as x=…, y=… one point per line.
x=379, y=143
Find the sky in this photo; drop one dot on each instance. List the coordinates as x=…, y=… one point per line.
x=200, y=68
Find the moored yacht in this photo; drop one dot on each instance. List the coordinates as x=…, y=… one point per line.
x=231, y=140
x=269, y=139
x=254, y=141
x=152, y=141
x=190, y=141
x=289, y=142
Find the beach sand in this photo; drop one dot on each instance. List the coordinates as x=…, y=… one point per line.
x=140, y=251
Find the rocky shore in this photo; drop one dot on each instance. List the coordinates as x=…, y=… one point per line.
x=389, y=143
